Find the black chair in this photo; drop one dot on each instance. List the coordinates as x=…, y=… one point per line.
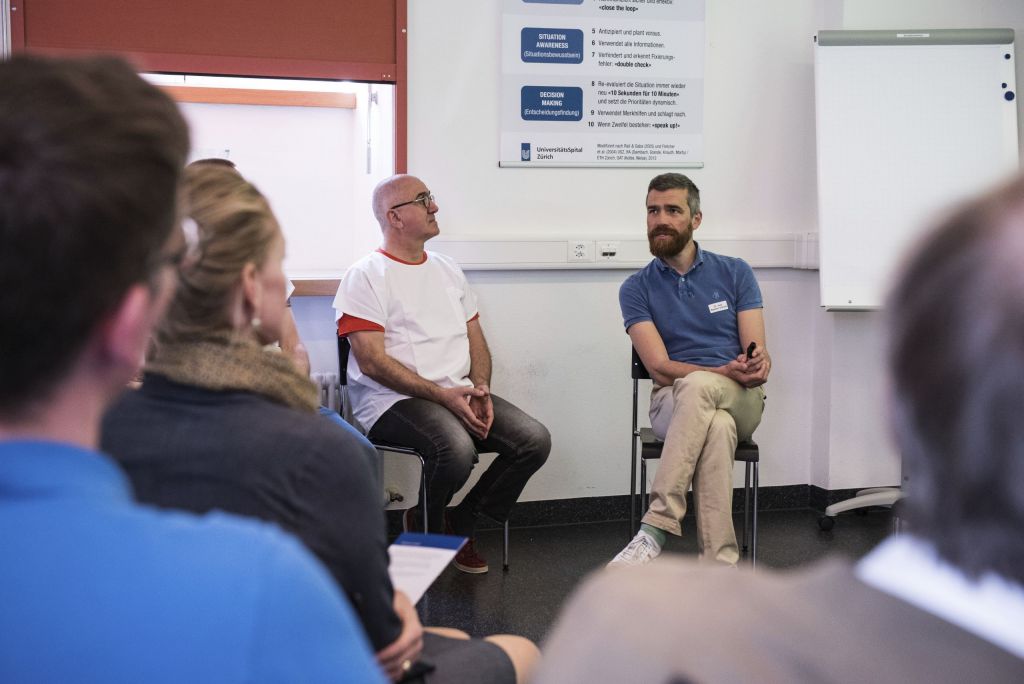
x=344, y=348
x=650, y=448
x=344, y=409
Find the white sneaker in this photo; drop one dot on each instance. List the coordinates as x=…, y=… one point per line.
x=642, y=550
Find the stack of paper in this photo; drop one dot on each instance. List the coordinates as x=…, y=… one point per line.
x=417, y=559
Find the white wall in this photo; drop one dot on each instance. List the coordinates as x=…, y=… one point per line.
x=560, y=353
x=758, y=136
x=556, y=335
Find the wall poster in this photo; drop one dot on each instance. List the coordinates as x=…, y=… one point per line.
x=602, y=83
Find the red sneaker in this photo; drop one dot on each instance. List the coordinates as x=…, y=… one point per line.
x=468, y=560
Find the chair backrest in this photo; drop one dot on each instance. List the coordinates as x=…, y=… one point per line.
x=345, y=408
x=343, y=351
x=638, y=369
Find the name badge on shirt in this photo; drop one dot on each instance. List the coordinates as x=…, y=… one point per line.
x=718, y=306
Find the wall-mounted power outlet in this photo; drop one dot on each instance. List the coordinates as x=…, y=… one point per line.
x=580, y=250
x=607, y=251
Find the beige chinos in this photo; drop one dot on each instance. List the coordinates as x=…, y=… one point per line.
x=701, y=417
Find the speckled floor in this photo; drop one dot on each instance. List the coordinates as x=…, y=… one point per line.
x=547, y=563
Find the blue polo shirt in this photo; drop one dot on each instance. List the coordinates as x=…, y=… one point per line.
x=695, y=313
x=95, y=588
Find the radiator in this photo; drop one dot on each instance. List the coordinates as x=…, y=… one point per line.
x=330, y=389
x=398, y=473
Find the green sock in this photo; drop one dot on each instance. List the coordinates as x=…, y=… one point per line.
x=660, y=536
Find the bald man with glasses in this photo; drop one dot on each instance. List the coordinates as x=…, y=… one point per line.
x=420, y=370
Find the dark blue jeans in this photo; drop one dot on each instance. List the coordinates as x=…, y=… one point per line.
x=521, y=442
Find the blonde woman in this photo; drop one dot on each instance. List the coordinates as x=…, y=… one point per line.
x=221, y=423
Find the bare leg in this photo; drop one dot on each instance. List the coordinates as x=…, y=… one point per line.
x=448, y=632
x=523, y=653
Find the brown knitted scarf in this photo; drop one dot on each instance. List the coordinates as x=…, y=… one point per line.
x=223, y=362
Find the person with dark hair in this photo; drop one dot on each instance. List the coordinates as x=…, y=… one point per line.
x=941, y=603
x=420, y=370
x=696, y=320
x=222, y=423
x=94, y=587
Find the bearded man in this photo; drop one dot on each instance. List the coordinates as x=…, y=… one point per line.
x=692, y=316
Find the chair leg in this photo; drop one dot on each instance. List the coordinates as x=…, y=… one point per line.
x=644, y=503
x=504, y=550
x=632, y=463
x=423, y=493
x=753, y=526
x=632, y=478
x=746, y=505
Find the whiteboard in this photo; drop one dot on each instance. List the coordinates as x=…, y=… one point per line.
x=908, y=124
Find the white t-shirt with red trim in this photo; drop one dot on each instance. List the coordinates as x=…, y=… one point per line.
x=421, y=308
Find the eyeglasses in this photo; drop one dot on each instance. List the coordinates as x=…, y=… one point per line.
x=424, y=198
